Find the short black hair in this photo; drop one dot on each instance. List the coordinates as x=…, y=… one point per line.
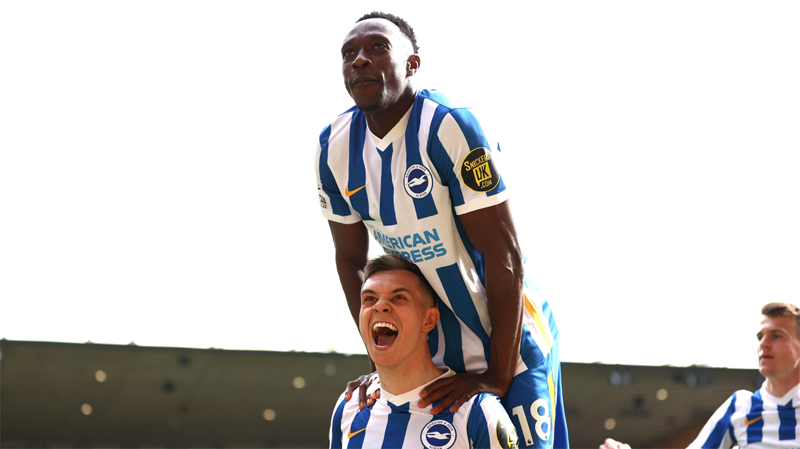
x=405, y=28
x=393, y=262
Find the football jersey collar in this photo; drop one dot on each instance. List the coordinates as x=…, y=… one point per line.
x=782, y=400
x=413, y=395
x=397, y=132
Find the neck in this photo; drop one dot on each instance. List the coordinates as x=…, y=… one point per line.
x=381, y=122
x=408, y=375
x=778, y=387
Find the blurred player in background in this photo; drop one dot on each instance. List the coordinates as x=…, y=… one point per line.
x=767, y=418
x=417, y=173
x=398, y=309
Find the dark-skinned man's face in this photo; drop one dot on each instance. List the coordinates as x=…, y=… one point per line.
x=375, y=64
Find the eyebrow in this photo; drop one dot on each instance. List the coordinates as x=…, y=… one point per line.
x=377, y=36
x=399, y=289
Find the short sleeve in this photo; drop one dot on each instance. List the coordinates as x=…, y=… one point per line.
x=468, y=162
x=331, y=201
x=718, y=431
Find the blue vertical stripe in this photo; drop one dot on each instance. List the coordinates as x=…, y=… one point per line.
x=788, y=427
x=359, y=422
x=461, y=302
x=388, y=216
x=474, y=255
x=441, y=160
x=714, y=439
x=475, y=139
x=425, y=206
x=357, y=174
x=451, y=329
x=755, y=430
x=529, y=350
x=338, y=204
x=336, y=426
x=397, y=425
x=477, y=426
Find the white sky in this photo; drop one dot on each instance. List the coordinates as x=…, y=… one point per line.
x=156, y=177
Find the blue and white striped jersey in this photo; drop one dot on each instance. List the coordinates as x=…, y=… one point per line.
x=409, y=189
x=397, y=421
x=753, y=420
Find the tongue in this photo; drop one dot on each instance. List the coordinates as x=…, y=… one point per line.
x=386, y=339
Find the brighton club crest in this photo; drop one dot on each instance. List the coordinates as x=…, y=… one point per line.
x=417, y=181
x=438, y=434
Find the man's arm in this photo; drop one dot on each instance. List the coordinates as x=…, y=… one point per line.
x=351, y=243
x=491, y=230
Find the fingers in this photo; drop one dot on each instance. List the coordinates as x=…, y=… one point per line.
x=352, y=385
x=613, y=444
x=362, y=395
x=436, y=391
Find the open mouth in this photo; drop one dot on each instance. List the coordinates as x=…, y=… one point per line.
x=383, y=334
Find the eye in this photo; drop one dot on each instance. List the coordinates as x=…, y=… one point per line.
x=347, y=52
x=368, y=299
x=380, y=45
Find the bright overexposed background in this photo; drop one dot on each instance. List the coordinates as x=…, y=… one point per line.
x=157, y=182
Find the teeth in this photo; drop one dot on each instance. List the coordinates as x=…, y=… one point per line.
x=389, y=325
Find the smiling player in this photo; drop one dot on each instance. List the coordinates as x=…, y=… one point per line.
x=767, y=418
x=397, y=312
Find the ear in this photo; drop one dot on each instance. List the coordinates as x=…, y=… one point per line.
x=412, y=65
x=431, y=318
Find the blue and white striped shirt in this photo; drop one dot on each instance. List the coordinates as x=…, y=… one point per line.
x=753, y=420
x=397, y=421
x=409, y=189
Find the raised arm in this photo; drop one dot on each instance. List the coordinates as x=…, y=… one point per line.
x=491, y=230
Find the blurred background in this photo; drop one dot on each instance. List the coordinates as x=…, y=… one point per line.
x=156, y=188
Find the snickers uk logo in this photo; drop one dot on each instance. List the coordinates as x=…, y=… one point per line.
x=438, y=434
x=478, y=172
x=417, y=181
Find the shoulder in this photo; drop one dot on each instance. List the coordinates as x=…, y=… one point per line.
x=342, y=121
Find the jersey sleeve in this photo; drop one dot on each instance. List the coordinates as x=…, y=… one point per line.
x=718, y=431
x=489, y=426
x=331, y=201
x=467, y=162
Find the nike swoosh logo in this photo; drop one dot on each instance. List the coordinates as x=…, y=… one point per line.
x=747, y=422
x=349, y=192
x=352, y=434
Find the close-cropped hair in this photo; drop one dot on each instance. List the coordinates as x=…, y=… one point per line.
x=783, y=309
x=405, y=28
x=393, y=262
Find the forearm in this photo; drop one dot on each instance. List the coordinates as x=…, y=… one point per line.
x=504, y=282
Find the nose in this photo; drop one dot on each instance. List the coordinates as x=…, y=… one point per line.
x=383, y=305
x=361, y=60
